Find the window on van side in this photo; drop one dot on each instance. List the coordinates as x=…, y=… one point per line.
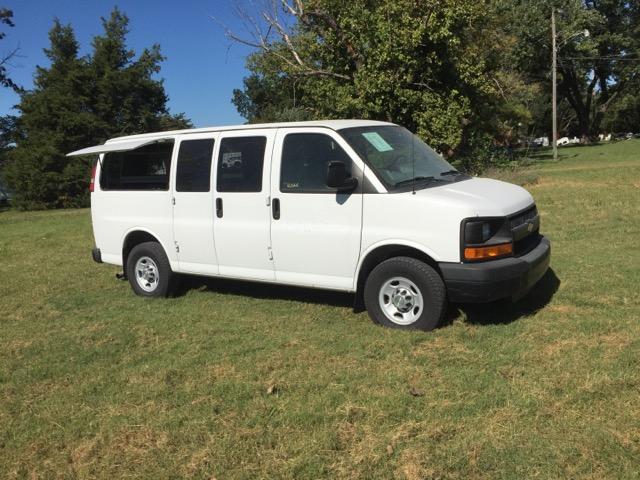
x=240, y=164
x=194, y=165
x=145, y=168
x=305, y=161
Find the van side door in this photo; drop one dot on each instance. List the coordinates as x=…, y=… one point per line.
x=242, y=222
x=193, y=210
x=315, y=230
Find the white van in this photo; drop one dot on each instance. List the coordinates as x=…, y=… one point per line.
x=352, y=205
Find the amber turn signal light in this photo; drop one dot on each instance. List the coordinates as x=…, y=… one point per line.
x=482, y=253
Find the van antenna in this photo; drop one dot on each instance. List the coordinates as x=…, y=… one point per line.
x=413, y=164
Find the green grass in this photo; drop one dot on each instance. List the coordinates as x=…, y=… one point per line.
x=235, y=380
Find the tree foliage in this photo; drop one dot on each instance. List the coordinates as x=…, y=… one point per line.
x=595, y=70
x=6, y=19
x=388, y=60
x=80, y=101
x=459, y=72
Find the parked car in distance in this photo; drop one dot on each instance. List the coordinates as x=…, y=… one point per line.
x=568, y=141
x=351, y=205
x=540, y=142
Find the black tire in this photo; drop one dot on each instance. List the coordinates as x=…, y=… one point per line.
x=162, y=283
x=431, y=294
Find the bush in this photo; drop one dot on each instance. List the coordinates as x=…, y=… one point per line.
x=481, y=153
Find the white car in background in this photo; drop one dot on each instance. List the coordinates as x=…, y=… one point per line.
x=568, y=141
x=351, y=205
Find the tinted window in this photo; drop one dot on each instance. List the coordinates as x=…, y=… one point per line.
x=305, y=161
x=194, y=165
x=145, y=168
x=240, y=164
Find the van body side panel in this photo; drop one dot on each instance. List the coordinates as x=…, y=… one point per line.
x=120, y=212
x=115, y=213
x=406, y=219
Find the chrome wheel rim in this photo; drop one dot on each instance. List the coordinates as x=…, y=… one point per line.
x=401, y=300
x=147, y=274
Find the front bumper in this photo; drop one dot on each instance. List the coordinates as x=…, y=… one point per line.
x=488, y=281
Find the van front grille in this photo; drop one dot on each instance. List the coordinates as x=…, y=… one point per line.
x=523, y=217
x=525, y=228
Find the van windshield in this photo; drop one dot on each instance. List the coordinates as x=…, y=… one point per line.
x=400, y=159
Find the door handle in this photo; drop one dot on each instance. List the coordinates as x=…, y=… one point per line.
x=219, y=210
x=275, y=208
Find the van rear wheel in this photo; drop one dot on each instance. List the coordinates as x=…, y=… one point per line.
x=149, y=271
x=403, y=292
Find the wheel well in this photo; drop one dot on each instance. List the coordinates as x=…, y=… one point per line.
x=133, y=239
x=381, y=254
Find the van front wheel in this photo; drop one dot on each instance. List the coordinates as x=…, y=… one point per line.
x=403, y=292
x=149, y=271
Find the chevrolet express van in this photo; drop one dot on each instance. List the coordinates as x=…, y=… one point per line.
x=351, y=205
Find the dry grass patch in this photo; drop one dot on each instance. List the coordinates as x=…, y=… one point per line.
x=238, y=383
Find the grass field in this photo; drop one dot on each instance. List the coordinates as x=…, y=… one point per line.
x=235, y=380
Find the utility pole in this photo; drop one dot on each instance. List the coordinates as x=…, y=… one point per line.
x=554, y=94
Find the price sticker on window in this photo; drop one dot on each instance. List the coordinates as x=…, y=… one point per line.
x=377, y=141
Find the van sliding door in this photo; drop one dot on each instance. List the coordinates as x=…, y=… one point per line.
x=193, y=210
x=242, y=215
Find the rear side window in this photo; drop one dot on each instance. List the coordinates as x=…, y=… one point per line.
x=305, y=161
x=240, y=164
x=194, y=165
x=145, y=168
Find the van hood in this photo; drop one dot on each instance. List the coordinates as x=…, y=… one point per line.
x=480, y=197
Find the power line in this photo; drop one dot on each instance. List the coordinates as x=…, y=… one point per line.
x=621, y=59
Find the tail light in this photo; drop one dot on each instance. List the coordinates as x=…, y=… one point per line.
x=92, y=182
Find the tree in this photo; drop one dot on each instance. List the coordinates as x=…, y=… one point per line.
x=6, y=18
x=54, y=119
x=594, y=71
x=7, y=141
x=77, y=102
x=421, y=64
x=459, y=73
x=126, y=97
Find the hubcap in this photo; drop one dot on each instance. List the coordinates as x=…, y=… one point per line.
x=401, y=300
x=147, y=274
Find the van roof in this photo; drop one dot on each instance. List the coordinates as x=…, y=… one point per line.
x=332, y=124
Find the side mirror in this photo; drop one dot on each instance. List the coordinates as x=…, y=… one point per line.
x=338, y=178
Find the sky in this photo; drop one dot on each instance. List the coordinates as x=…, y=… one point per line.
x=202, y=66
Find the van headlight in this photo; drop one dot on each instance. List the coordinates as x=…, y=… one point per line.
x=486, y=238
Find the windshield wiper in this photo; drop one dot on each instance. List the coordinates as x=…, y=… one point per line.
x=415, y=180
x=451, y=172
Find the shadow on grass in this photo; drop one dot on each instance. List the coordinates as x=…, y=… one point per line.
x=264, y=291
x=505, y=311
x=500, y=312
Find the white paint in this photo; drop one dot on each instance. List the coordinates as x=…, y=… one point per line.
x=320, y=240
x=242, y=234
x=316, y=241
x=193, y=214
